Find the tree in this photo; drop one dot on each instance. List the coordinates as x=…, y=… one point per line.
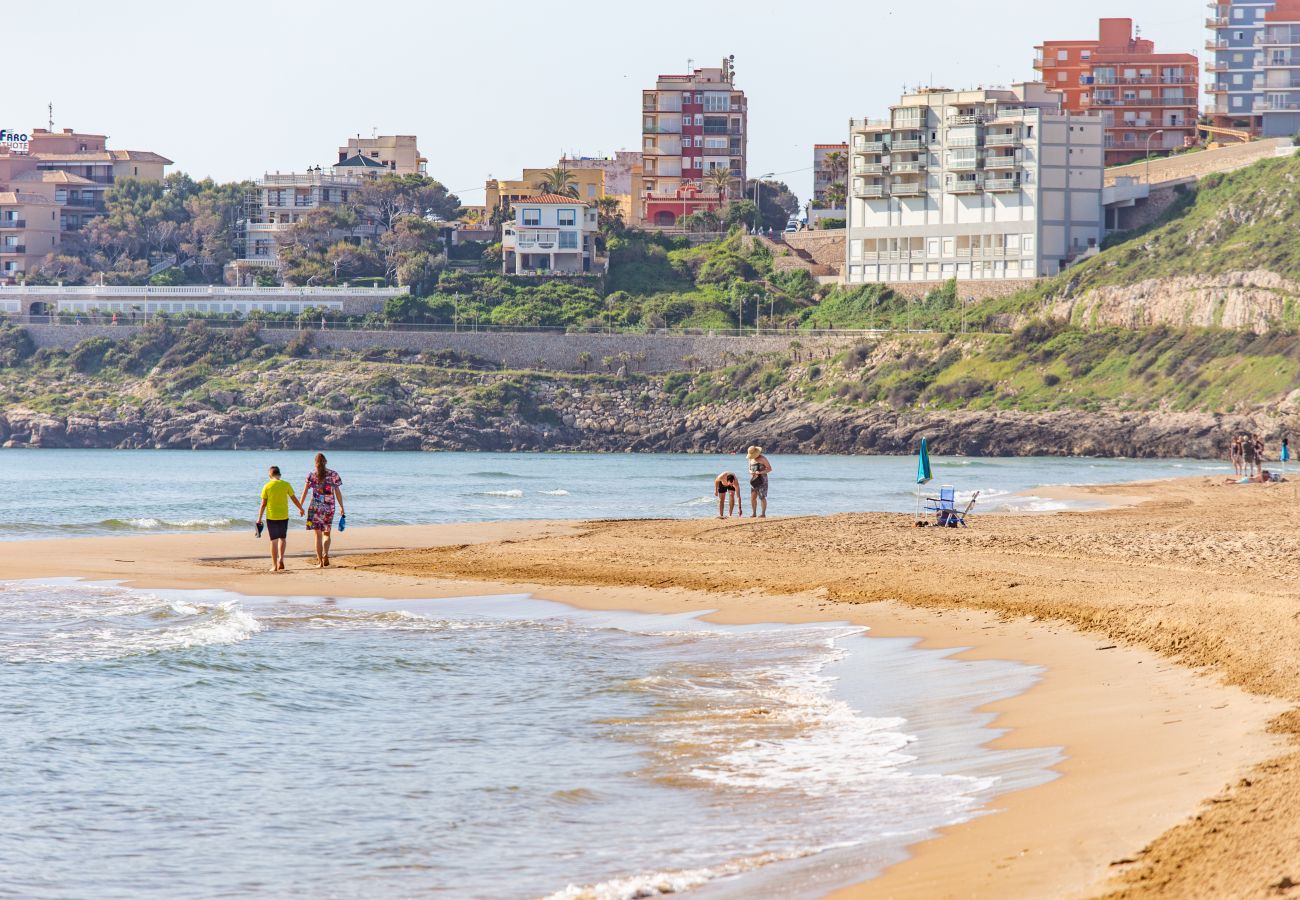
x=740, y=212
x=776, y=204
x=836, y=195
x=584, y=360
x=392, y=196
x=558, y=180
x=836, y=166
x=721, y=179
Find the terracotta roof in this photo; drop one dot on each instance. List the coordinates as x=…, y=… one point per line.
x=16, y=198
x=830, y=146
x=552, y=198
x=1284, y=11
x=104, y=156
x=53, y=176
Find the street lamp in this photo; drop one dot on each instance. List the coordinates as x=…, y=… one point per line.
x=1149, y=137
x=758, y=210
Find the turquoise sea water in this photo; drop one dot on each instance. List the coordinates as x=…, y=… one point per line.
x=48, y=493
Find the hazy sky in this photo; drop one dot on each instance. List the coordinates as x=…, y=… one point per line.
x=235, y=88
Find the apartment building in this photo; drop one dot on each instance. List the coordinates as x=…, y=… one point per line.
x=398, y=153
x=29, y=230
x=550, y=235
x=1255, y=64
x=975, y=184
x=691, y=125
x=1145, y=99
x=281, y=200
x=588, y=184
x=62, y=175
x=830, y=182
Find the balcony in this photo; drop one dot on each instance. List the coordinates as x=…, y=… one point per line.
x=16, y=224
x=1001, y=162
x=1001, y=140
x=870, y=147
x=1044, y=63
x=1217, y=67
x=662, y=129
x=958, y=121
x=1278, y=38
x=910, y=167
x=869, y=169
x=13, y=250
x=1217, y=45
x=1174, y=80
x=965, y=186
x=963, y=164
x=869, y=191
x=1140, y=101
x=1272, y=106
x=1001, y=185
x=907, y=189
x=1217, y=22
x=907, y=145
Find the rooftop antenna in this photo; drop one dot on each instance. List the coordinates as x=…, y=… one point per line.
x=374, y=131
x=51, y=123
x=690, y=64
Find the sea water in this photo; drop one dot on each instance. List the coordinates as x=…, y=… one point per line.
x=200, y=744
x=52, y=493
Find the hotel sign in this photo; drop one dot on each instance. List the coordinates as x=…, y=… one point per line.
x=14, y=141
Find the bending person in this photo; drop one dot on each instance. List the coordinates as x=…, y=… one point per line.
x=759, y=469
x=726, y=487
x=325, y=486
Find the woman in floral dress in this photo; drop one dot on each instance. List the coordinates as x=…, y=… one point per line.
x=325, y=487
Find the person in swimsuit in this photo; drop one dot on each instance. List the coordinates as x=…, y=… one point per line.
x=326, y=489
x=276, y=495
x=726, y=487
x=759, y=468
x=1248, y=446
x=1234, y=454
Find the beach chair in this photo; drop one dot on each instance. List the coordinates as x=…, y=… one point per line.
x=944, y=505
x=958, y=517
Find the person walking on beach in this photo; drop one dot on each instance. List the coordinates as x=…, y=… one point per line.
x=726, y=487
x=276, y=495
x=759, y=469
x=325, y=486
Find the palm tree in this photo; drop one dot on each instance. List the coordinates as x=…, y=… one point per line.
x=836, y=165
x=558, y=180
x=721, y=178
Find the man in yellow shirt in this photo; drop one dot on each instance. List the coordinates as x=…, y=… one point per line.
x=276, y=495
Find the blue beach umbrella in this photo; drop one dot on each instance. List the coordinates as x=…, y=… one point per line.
x=923, y=473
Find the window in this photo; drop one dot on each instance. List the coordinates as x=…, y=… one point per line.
x=686, y=98
x=567, y=216
x=568, y=240
x=1086, y=54
x=1062, y=55
x=1062, y=76
x=532, y=217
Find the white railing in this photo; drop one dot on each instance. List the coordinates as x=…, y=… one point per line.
x=869, y=191
x=907, y=145
x=182, y=291
x=907, y=190
x=1001, y=184
x=905, y=168
x=313, y=178
x=1000, y=162
x=1001, y=140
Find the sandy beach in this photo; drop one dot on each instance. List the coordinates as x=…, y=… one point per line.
x=1166, y=622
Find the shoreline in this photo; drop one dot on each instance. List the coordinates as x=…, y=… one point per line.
x=1168, y=741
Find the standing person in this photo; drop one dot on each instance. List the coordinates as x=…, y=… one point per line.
x=326, y=492
x=276, y=495
x=1259, y=452
x=1248, y=454
x=726, y=487
x=759, y=468
x=1234, y=453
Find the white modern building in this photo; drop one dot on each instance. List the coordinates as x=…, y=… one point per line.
x=975, y=184
x=551, y=235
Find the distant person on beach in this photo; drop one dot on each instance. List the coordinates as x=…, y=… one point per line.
x=726, y=487
x=276, y=495
x=1259, y=452
x=1235, y=455
x=1248, y=455
x=759, y=469
x=325, y=486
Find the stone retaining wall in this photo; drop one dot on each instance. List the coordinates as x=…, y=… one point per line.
x=973, y=289
x=545, y=351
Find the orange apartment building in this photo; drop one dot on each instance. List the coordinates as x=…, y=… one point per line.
x=52, y=183
x=1146, y=99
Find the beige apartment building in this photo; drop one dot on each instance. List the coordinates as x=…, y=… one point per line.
x=398, y=153
x=63, y=175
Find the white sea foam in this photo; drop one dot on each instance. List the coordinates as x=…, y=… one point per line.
x=658, y=884
x=514, y=494
x=556, y=493
x=66, y=623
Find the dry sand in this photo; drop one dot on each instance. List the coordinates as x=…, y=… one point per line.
x=1171, y=787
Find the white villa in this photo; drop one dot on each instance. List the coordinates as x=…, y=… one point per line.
x=551, y=235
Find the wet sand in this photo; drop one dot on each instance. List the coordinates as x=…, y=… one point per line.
x=1168, y=626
